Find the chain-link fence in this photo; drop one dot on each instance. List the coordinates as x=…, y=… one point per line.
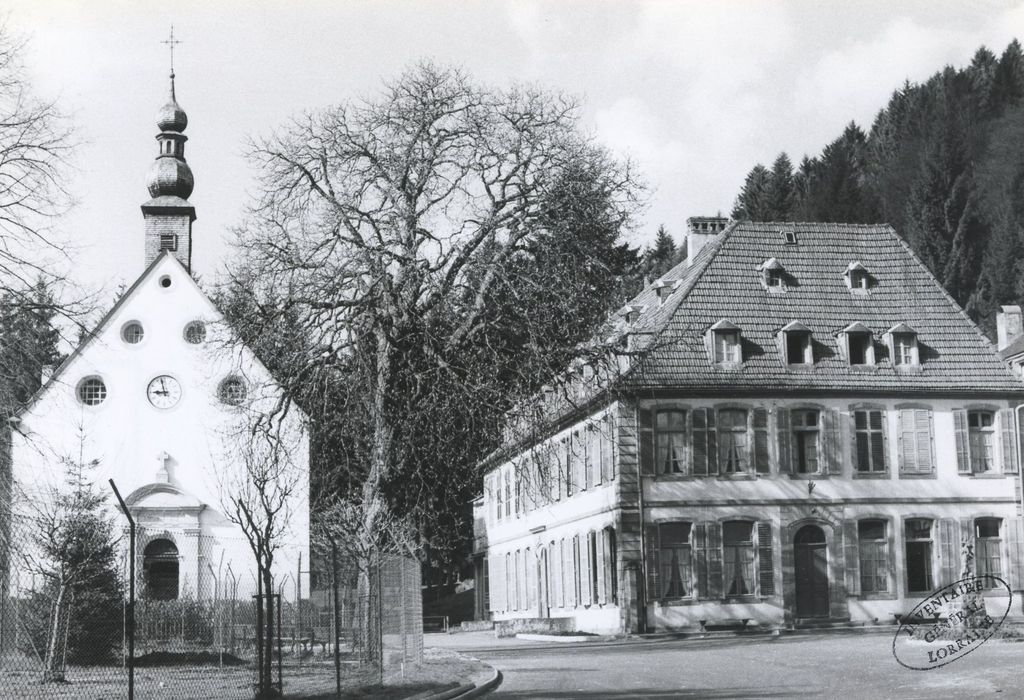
x=203, y=633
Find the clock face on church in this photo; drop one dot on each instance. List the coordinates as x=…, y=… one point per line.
x=164, y=391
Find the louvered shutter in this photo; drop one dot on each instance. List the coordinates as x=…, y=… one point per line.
x=762, y=460
x=714, y=533
x=700, y=545
x=568, y=574
x=497, y=570
x=880, y=444
x=923, y=428
x=851, y=548
x=907, y=449
x=949, y=551
x=586, y=570
x=783, y=434
x=963, y=449
x=1008, y=423
x=712, y=443
x=646, y=419
x=558, y=552
x=653, y=573
x=832, y=444
x=699, y=441
x=765, y=558
x=601, y=566
x=1015, y=549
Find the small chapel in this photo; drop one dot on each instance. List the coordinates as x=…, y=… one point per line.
x=158, y=398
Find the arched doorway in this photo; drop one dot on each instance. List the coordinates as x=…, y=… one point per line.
x=811, y=564
x=160, y=569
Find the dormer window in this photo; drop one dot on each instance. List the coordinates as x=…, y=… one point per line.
x=796, y=344
x=789, y=235
x=903, y=345
x=857, y=278
x=725, y=343
x=773, y=275
x=860, y=348
x=631, y=312
x=663, y=289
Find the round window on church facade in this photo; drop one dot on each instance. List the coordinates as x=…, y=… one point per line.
x=92, y=391
x=232, y=390
x=195, y=332
x=132, y=332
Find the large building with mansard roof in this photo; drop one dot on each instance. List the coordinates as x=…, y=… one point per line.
x=797, y=425
x=159, y=398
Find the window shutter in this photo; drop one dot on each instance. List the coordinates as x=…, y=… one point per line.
x=699, y=441
x=568, y=566
x=832, y=443
x=610, y=565
x=883, y=420
x=700, y=558
x=923, y=428
x=963, y=450
x=851, y=427
x=586, y=570
x=905, y=430
x=570, y=476
x=714, y=532
x=765, y=558
x=949, y=551
x=646, y=419
x=601, y=565
x=607, y=439
x=558, y=572
x=651, y=535
x=782, y=434
x=712, y=443
x=495, y=580
x=762, y=460
x=1015, y=548
x=851, y=548
x=1008, y=421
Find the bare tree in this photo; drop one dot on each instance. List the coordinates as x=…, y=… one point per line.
x=258, y=484
x=394, y=224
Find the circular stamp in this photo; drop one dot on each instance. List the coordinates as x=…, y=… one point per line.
x=952, y=622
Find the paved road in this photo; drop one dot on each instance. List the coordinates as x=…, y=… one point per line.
x=847, y=667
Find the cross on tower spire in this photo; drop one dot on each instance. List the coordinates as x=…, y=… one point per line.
x=171, y=42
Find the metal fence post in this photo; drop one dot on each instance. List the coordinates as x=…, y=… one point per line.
x=337, y=620
x=131, y=592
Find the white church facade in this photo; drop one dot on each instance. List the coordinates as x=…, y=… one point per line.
x=161, y=398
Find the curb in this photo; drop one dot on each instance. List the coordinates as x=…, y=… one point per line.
x=483, y=688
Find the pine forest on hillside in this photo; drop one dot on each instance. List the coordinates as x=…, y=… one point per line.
x=943, y=163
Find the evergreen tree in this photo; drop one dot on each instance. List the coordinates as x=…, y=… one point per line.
x=28, y=343
x=780, y=193
x=752, y=205
x=660, y=257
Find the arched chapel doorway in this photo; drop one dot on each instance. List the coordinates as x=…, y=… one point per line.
x=811, y=564
x=160, y=570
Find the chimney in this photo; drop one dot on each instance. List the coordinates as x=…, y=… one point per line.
x=1008, y=326
x=699, y=232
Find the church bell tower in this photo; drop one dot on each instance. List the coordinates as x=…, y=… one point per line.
x=169, y=215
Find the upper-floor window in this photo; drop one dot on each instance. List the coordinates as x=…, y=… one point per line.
x=806, y=431
x=988, y=549
x=670, y=442
x=664, y=289
x=789, y=235
x=981, y=433
x=857, y=278
x=725, y=339
x=869, y=441
x=860, y=349
x=796, y=344
x=903, y=344
x=92, y=391
x=773, y=275
x=733, y=441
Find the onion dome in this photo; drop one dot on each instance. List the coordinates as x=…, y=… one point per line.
x=169, y=176
x=171, y=117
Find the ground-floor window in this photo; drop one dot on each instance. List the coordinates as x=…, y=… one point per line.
x=675, y=558
x=738, y=557
x=874, y=556
x=987, y=548
x=918, y=539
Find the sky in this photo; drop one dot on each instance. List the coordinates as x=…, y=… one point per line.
x=695, y=93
